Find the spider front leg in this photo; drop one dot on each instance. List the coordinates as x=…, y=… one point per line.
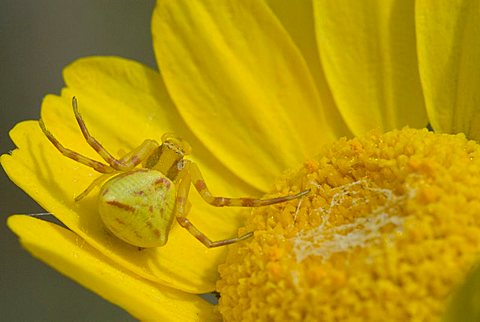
x=190, y=174
x=139, y=153
x=183, y=188
x=200, y=185
x=97, y=166
x=127, y=162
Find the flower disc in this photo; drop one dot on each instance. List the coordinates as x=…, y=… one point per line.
x=391, y=226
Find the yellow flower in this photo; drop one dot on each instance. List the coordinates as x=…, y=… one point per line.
x=256, y=88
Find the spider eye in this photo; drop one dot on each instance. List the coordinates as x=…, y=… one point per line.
x=176, y=143
x=181, y=165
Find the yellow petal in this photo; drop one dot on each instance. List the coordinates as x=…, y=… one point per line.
x=128, y=93
x=53, y=181
x=240, y=84
x=369, y=56
x=297, y=19
x=449, y=56
x=124, y=103
x=72, y=256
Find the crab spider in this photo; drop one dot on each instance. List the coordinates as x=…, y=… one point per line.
x=138, y=204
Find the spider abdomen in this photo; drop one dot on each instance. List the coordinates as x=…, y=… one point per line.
x=138, y=207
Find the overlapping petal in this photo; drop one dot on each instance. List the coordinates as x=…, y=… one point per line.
x=449, y=56
x=54, y=181
x=298, y=20
x=74, y=257
x=369, y=55
x=240, y=83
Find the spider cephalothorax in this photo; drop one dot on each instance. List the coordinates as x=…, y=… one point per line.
x=138, y=203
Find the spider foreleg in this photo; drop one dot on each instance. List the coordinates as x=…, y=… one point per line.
x=127, y=162
x=185, y=223
x=139, y=154
x=98, y=166
x=183, y=188
x=97, y=182
x=201, y=186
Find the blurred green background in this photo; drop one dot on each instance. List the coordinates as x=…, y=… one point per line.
x=39, y=38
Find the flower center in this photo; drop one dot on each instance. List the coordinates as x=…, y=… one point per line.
x=391, y=226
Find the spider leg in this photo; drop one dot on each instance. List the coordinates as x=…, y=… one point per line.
x=183, y=188
x=127, y=162
x=137, y=155
x=134, y=157
x=98, y=166
x=187, y=224
x=200, y=185
x=95, y=183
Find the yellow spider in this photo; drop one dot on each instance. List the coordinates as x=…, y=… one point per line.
x=138, y=204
